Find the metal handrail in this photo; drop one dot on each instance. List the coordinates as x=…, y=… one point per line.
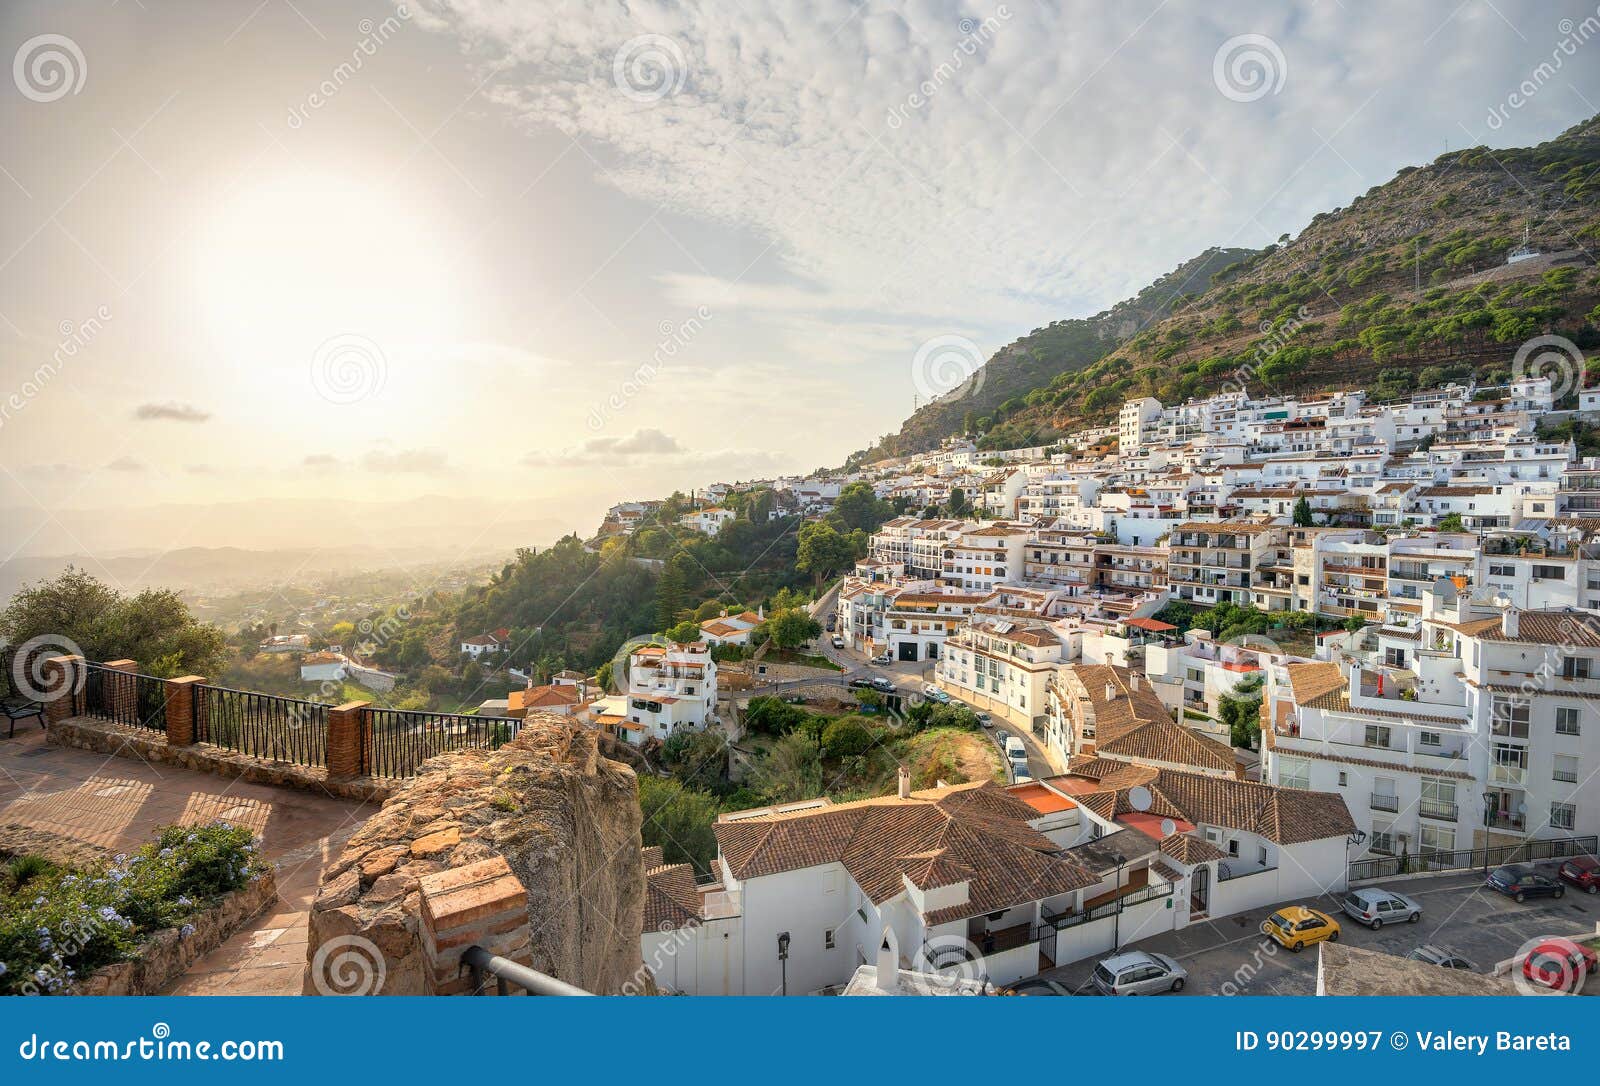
x=507, y=972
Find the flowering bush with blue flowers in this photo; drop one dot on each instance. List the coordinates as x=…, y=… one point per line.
x=58, y=924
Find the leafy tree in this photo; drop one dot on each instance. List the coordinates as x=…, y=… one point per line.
x=845, y=737
x=153, y=628
x=773, y=716
x=672, y=591
x=823, y=551
x=858, y=506
x=1241, y=712
x=1302, y=513
x=1451, y=522
x=684, y=632
x=680, y=820
x=958, y=505
x=792, y=628
x=792, y=769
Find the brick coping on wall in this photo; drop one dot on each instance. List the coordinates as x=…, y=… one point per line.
x=107, y=737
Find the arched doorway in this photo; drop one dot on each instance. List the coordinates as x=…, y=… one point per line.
x=1200, y=889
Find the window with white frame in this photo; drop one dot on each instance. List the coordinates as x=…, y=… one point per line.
x=1567, y=721
x=1294, y=773
x=1566, y=769
x=1563, y=816
x=1437, y=839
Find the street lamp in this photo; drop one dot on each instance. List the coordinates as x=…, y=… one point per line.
x=783, y=961
x=1116, y=891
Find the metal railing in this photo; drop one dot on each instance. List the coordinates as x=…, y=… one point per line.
x=1444, y=812
x=1380, y=802
x=507, y=972
x=396, y=741
x=1477, y=859
x=124, y=697
x=262, y=725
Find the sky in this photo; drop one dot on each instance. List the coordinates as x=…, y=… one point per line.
x=539, y=257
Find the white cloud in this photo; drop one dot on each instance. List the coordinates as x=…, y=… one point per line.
x=403, y=461
x=171, y=411
x=1018, y=161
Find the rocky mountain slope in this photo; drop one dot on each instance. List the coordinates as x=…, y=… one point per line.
x=1406, y=287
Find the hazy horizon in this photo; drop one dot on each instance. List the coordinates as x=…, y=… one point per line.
x=539, y=258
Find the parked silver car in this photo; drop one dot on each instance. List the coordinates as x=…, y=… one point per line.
x=1375, y=907
x=1138, y=973
x=1442, y=957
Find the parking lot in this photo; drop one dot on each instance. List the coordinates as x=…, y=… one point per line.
x=1230, y=956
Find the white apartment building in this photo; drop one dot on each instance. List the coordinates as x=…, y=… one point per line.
x=1468, y=731
x=670, y=687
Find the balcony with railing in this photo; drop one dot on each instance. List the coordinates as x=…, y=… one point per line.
x=1438, y=810
x=1384, y=803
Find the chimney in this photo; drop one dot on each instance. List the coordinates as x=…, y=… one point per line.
x=905, y=783
x=1135, y=678
x=1111, y=691
x=888, y=961
x=1508, y=620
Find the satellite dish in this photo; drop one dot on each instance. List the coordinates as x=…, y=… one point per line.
x=1139, y=797
x=1168, y=827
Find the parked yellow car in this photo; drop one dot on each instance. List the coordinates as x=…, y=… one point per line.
x=1296, y=927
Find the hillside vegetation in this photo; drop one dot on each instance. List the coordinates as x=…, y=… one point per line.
x=1406, y=287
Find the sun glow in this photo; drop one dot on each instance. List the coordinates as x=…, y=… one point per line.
x=290, y=261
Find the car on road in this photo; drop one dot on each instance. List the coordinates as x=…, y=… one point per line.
x=985, y=720
x=1442, y=957
x=883, y=685
x=1375, y=907
x=1139, y=973
x=1015, y=751
x=1559, y=964
x=862, y=683
x=883, y=659
x=1582, y=872
x=833, y=623
x=838, y=642
x=1520, y=882
x=1297, y=927
x=933, y=693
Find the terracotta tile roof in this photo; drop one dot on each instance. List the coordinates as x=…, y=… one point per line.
x=1313, y=681
x=976, y=833
x=1574, y=628
x=1135, y=724
x=670, y=898
x=1189, y=850
x=1284, y=815
x=542, y=696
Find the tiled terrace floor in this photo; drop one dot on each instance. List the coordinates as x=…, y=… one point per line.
x=119, y=803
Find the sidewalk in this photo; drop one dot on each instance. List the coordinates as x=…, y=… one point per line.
x=118, y=803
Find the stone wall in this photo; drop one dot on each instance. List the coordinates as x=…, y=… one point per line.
x=564, y=819
x=166, y=955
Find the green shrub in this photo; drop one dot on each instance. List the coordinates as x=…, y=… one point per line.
x=58, y=924
x=845, y=737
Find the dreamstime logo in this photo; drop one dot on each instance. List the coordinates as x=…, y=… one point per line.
x=1553, y=357
x=1573, y=35
x=1275, y=336
x=675, y=336
x=649, y=68
x=348, y=368
x=31, y=678
x=49, y=67
x=349, y=965
x=1549, y=966
x=1249, y=67
x=975, y=35
x=75, y=336
x=953, y=957
x=373, y=35
x=947, y=366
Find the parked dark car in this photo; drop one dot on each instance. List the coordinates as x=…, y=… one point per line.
x=862, y=683
x=833, y=622
x=1582, y=872
x=1520, y=882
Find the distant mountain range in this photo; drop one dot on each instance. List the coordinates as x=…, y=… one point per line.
x=229, y=546
x=1413, y=276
